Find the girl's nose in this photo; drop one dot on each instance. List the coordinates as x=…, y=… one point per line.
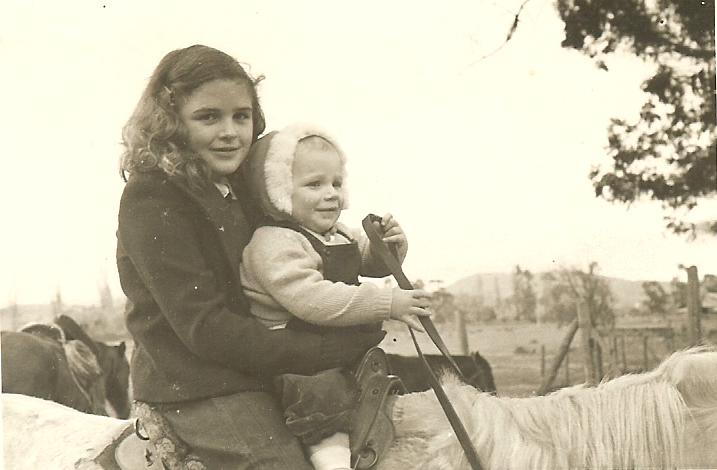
x=228, y=130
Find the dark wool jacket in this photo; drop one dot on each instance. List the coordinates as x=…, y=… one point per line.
x=178, y=255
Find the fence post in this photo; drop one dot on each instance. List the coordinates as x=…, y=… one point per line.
x=615, y=356
x=693, y=306
x=671, y=341
x=461, y=332
x=585, y=326
x=562, y=353
x=567, y=368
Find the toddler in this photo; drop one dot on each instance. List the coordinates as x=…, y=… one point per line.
x=300, y=271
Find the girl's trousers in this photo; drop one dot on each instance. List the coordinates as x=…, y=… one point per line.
x=242, y=431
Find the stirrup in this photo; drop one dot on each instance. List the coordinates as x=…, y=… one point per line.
x=373, y=431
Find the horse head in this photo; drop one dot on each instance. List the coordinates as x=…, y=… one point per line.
x=115, y=368
x=482, y=379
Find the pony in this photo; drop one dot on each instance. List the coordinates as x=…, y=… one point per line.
x=475, y=368
x=46, y=361
x=666, y=418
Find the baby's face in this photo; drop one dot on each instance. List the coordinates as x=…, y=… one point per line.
x=317, y=198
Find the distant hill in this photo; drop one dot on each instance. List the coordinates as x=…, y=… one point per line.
x=500, y=285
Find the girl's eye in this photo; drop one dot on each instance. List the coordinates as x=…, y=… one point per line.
x=205, y=117
x=242, y=116
x=338, y=184
x=314, y=184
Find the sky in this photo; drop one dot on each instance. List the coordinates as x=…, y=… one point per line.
x=483, y=162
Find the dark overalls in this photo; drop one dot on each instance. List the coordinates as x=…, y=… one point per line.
x=320, y=405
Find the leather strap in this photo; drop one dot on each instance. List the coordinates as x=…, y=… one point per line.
x=391, y=261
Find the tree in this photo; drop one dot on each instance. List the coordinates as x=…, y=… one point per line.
x=678, y=291
x=566, y=287
x=668, y=155
x=524, y=299
x=709, y=283
x=57, y=305
x=106, y=301
x=656, y=299
x=443, y=306
x=558, y=299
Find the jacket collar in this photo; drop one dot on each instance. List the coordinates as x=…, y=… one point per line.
x=227, y=219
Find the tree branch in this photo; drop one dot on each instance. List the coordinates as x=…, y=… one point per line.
x=508, y=37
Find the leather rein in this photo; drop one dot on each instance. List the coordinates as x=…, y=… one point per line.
x=391, y=261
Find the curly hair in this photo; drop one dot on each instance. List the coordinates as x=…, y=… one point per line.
x=154, y=136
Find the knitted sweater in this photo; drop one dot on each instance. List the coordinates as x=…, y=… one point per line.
x=281, y=274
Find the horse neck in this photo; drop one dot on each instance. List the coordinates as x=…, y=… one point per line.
x=579, y=428
x=116, y=388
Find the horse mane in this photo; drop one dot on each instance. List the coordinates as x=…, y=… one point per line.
x=634, y=421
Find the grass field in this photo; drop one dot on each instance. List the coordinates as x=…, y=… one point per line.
x=514, y=351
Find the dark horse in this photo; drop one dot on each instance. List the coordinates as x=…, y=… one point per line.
x=66, y=367
x=475, y=369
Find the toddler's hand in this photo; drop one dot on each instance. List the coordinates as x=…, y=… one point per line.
x=390, y=231
x=406, y=305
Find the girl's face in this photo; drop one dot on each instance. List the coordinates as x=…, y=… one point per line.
x=218, y=120
x=317, y=198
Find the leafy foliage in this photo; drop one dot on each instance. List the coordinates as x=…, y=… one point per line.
x=656, y=300
x=678, y=292
x=524, y=299
x=443, y=306
x=558, y=299
x=565, y=288
x=668, y=155
x=709, y=283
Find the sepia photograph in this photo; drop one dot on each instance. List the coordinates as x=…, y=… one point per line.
x=378, y=235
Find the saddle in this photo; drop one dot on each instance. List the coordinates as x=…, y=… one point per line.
x=371, y=437
x=161, y=449
x=44, y=330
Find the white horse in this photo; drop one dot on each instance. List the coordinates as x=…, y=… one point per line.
x=666, y=418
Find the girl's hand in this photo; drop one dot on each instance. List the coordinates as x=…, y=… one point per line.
x=406, y=305
x=390, y=230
